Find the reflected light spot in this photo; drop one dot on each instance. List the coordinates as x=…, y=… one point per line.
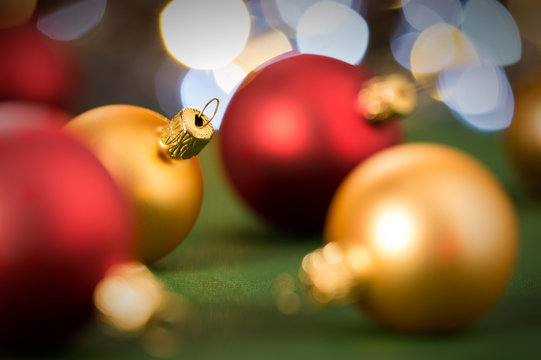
x=15, y=12
x=198, y=87
x=128, y=297
x=262, y=48
x=229, y=77
x=434, y=49
x=284, y=129
x=494, y=32
x=333, y=253
x=72, y=21
x=359, y=260
x=394, y=231
x=334, y=30
x=421, y=14
x=205, y=34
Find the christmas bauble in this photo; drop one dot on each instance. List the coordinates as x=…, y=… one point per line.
x=35, y=68
x=25, y=114
x=166, y=193
x=63, y=223
x=433, y=233
x=524, y=134
x=292, y=131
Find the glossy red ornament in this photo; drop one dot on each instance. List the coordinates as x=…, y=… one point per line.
x=36, y=68
x=26, y=114
x=63, y=223
x=292, y=132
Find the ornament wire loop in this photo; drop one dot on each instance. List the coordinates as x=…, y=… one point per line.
x=215, y=110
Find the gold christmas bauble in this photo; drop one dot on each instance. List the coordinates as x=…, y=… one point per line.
x=524, y=133
x=166, y=192
x=431, y=234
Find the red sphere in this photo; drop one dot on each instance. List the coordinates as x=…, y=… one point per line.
x=292, y=132
x=26, y=114
x=36, y=68
x=63, y=223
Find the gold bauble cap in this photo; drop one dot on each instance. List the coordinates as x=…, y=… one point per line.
x=188, y=132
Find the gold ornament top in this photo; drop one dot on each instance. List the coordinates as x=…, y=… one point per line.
x=188, y=132
x=384, y=98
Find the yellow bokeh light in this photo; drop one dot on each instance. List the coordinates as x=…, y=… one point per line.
x=228, y=77
x=262, y=48
x=394, y=231
x=205, y=34
x=128, y=297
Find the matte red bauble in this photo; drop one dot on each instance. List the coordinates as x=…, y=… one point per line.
x=63, y=223
x=36, y=68
x=292, y=132
x=26, y=114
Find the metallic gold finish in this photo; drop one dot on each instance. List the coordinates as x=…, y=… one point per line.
x=524, y=134
x=384, y=98
x=188, y=132
x=166, y=194
x=432, y=233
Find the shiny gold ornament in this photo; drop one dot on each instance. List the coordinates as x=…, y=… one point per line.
x=166, y=192
x=524, y=134
x=421, y=235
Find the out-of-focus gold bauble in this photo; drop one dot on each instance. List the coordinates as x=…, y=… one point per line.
x=524, y=134
x=433, y=232
x=166, y=193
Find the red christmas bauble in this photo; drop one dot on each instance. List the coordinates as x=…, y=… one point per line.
x=292, y=132
x=26, y=114
x=36, y=68
x=63, y=223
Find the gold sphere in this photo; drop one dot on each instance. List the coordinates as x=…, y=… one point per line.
x=524, y=133
x=166, y=193
x=437, y=233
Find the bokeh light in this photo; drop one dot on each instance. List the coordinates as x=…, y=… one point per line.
x=332, y=29
x=229, y=77
x=434, y=49
x=402, y=40
x=198, y=87
x=73, y=20
x=262, y=48
x=480, y=95
x=284, y=15
x=128, y=297
x=494, y=32
x=16, y=12
x=421, y=14
x=205, y=34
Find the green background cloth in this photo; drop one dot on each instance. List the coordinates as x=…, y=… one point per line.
x=227, y=265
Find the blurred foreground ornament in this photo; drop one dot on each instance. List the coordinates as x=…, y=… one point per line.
x=422, y=236
x=63, y=223
x=36, y=68
x=524, y=134
x=296, y=127
x=131, y=302
x=25, y=114
x=154, y=162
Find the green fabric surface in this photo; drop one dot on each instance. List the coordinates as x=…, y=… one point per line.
x=226, y=267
